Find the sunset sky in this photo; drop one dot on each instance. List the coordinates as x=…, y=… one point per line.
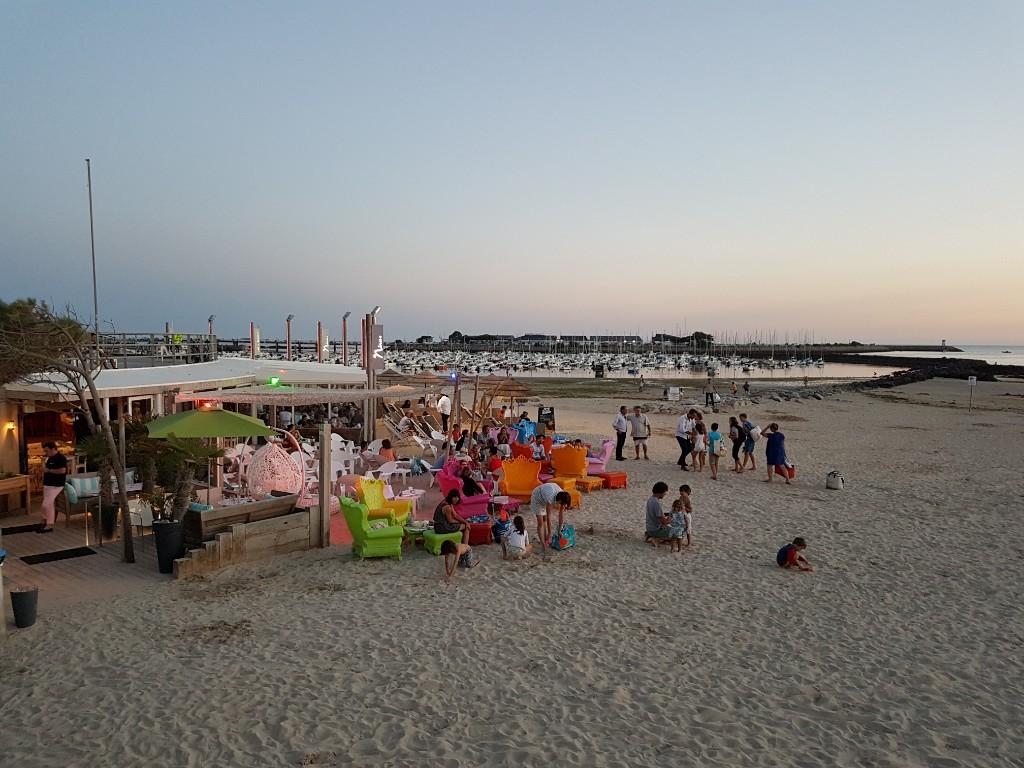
x=848, y=169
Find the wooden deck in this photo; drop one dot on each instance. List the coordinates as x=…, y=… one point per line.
x=66, y=582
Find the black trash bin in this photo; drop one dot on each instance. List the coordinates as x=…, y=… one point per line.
x=25, y=602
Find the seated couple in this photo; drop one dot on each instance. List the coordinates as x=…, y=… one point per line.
x=668, y=528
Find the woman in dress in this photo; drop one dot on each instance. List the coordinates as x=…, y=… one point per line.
x=775, y=452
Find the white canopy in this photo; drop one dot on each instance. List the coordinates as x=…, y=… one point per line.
x=196, y=377
x=294, y=396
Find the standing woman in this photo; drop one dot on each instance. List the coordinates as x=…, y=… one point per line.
x=447, y=520
x=736, y=436
x=775, y=452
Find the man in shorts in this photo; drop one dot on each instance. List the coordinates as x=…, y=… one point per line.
x=641, y=431
x=544, y=500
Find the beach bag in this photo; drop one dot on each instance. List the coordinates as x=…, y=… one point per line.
x=565, y=539
x=835, y=481
x=717, y=398
x=721, y=450
x=754, y=434
x=789, y=470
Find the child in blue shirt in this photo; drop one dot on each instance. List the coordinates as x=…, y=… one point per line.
x=714, y=440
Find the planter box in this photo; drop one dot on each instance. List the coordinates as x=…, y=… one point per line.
x=205, y=525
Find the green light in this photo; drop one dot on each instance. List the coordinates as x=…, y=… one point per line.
x=275, y=380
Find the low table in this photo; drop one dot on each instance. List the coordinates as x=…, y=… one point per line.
x=412, y=534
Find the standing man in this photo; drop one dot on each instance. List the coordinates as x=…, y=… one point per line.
x=685, y=428
x=544, y=500
x=54, y=476
x=620, y=425
x=709, y=393
x=641, y=431
x=444, y=407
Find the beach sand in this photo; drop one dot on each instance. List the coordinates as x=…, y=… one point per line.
x=903, y=649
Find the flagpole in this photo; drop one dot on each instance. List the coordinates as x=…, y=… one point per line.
x=92, y=246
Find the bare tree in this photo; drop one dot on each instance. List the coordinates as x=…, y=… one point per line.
x=40, y=345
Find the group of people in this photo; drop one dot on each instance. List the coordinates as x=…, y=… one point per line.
x=703, y=445
x=675, y=526
x=546, y=500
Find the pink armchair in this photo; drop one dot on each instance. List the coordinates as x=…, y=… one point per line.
x=469, y=506
x=597, y=465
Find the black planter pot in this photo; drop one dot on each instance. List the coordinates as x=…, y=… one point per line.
x=108, y=519
x=25, y=603
x=170, y=543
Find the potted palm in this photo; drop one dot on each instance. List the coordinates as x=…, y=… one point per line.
x=180, y=458
x=97, y=451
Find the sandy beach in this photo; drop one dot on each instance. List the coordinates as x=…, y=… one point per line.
x=902, y=649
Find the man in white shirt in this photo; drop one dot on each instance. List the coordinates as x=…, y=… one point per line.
x=685, y=428
x=621, y=426
x=444, y=407
x=406, y=425
x=641, y=431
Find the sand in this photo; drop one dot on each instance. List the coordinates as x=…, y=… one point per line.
x=903, y=649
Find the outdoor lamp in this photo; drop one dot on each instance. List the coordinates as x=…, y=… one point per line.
x=10, y=424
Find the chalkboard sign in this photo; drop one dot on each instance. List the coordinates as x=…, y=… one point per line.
x=545, y=419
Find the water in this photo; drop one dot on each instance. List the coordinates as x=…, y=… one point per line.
x=991, y=353
x=830, y=371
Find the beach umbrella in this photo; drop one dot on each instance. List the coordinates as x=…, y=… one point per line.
x=424, y=379
x=208, y=423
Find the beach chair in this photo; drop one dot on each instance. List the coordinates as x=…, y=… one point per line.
x=468, y=506
x=371, y=494
x=599, y=464
x=570, y=466
x=366, y=540
x=518, y=449
x=520, y=476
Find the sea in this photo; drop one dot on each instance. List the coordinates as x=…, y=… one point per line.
x=794, y=373
x=1000, y=354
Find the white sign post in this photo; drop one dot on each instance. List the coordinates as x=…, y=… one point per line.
x=972, y=382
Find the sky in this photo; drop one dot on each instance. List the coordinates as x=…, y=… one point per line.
x=851, y=170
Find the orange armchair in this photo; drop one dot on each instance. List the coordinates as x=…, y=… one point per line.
x=521, y=476
x=569, y=465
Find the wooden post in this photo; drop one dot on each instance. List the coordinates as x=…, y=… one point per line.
x=325, y=484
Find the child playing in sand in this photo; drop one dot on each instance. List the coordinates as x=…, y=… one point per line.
x=687, y=507
x=700, y=446
x=789, y=556
x=516, y=544
x=714, y=441
x=456, y=554
x=677, y=528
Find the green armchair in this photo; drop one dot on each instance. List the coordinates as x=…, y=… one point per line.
x=367, y=541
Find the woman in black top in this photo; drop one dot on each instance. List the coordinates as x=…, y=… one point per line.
x=737, y=435
x=56, y=470
x=447, y=520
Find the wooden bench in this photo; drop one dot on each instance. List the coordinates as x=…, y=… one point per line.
x=205, y=525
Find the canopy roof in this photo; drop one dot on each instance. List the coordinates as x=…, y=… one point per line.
x=298, y=396
x=223, y=372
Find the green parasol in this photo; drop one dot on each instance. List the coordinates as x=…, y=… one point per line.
x=208, y=423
